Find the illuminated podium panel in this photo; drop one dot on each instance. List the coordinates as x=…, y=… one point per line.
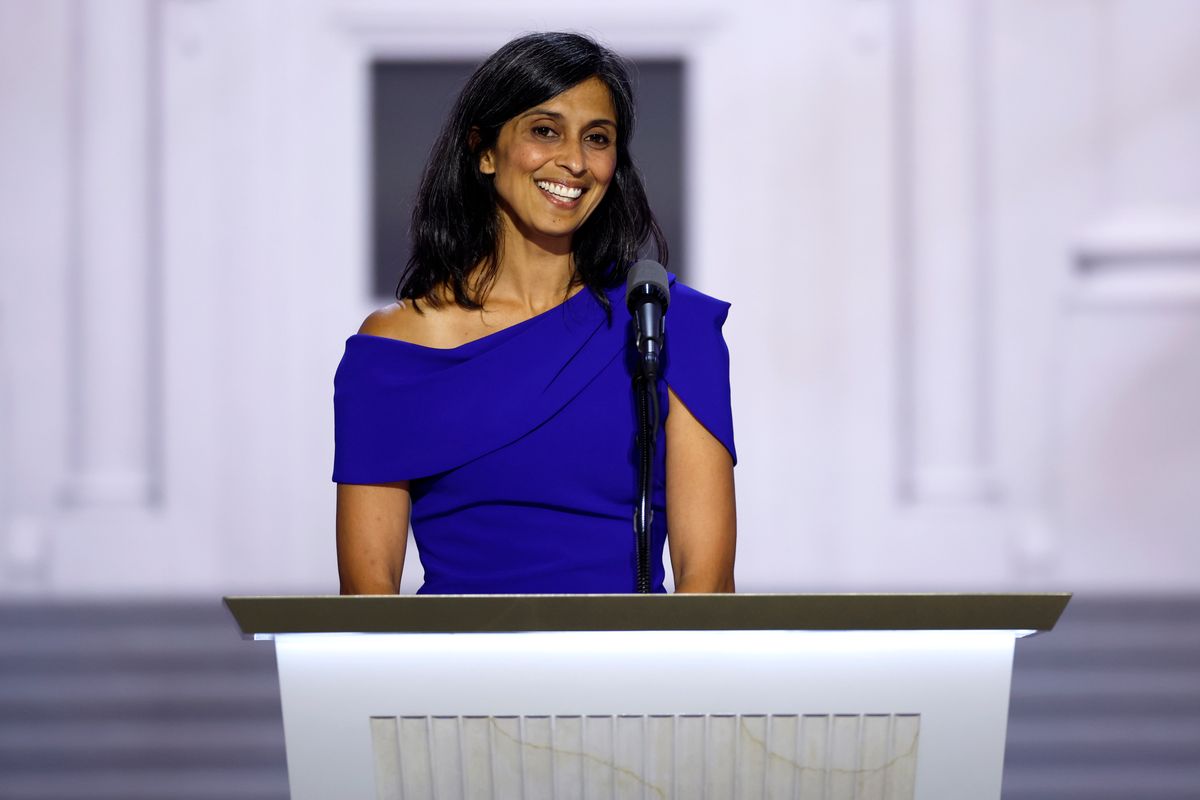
x=861, y=697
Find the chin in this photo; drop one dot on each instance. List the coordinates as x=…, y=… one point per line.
x=558, y=231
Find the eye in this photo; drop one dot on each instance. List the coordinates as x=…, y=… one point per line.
x=599, y=138
x=543, y=131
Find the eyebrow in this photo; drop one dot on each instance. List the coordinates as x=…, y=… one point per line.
x=545, y=112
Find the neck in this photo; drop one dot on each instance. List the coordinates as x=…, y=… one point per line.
x=534, y=271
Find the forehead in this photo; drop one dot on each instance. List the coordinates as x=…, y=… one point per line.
x=589, y=98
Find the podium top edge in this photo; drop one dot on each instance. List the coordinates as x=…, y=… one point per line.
x=634, y=612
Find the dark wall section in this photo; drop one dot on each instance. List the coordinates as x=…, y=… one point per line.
x=1107, y=705
x=659, y=149
x=134, y=701
x=409, y=102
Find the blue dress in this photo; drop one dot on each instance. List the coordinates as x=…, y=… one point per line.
x=519, y=446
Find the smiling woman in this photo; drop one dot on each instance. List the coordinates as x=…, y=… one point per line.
x=491, y=404
x=566, y=149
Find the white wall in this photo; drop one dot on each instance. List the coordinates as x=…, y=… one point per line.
x=962, y=240
x=35, y=247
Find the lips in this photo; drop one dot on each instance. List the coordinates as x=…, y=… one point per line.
x=560, y=194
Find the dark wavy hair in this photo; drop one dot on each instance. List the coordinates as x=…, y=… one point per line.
x=455, y=221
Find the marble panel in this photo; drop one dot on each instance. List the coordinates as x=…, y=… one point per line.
x=770, y=756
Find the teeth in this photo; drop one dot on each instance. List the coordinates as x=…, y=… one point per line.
x=558, y=190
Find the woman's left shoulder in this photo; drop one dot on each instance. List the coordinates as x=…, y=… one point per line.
x=688, y=301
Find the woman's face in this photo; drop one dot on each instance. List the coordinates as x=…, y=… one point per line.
x=553, y=163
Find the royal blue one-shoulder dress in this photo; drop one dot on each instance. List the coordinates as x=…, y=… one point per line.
x=519, y=447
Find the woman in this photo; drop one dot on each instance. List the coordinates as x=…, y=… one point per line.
x=493, y=399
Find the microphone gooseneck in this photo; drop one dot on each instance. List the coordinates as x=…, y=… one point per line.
x=647, y=296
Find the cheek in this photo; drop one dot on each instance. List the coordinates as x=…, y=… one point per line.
x=526, y=159
x=603, y=172
x=604, y=168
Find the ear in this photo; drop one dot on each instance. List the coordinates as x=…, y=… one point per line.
x=486, y=163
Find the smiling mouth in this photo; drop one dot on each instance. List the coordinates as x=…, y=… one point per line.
x=560, y=194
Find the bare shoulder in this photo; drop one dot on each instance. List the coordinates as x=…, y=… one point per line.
x=394, y=321
x=441, y=327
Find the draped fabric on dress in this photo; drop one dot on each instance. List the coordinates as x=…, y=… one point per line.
x=519, y=447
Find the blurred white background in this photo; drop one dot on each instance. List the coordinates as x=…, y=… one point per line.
x=962, y=243
x=961, y=239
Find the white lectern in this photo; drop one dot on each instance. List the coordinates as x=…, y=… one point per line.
x=861, y=697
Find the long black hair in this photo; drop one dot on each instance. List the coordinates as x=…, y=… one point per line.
x=455, y=221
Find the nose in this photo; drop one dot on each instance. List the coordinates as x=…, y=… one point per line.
x=571, y=157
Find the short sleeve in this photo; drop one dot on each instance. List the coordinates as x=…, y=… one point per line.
x=696, y=363
x=364, y=402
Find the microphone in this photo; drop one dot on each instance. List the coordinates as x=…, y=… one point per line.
x=647, y=297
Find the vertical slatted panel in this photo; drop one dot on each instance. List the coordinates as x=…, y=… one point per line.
x=628, y=754
x=902, y=772
x=415, y=759
x=598, y=735
x=874, y=744
x=782, y=767
x=814, y=753
x=385, y=741
x=446, y=754
x=690, y=761
x=660, y=757
x=843, y=756
x=539, y=764
x=751, y=755
x=477, y=758
x=506, y=757
x=568, y=757
x=721, y=756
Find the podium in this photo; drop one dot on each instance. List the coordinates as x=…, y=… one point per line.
x=824, y=696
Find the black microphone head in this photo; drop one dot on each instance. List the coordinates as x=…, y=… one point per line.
x=647, y=277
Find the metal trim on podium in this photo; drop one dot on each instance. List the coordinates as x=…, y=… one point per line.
x=863, y=696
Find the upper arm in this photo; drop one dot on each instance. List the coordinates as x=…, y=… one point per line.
x=372, y=534
x=372, y=519
x=701, y=517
